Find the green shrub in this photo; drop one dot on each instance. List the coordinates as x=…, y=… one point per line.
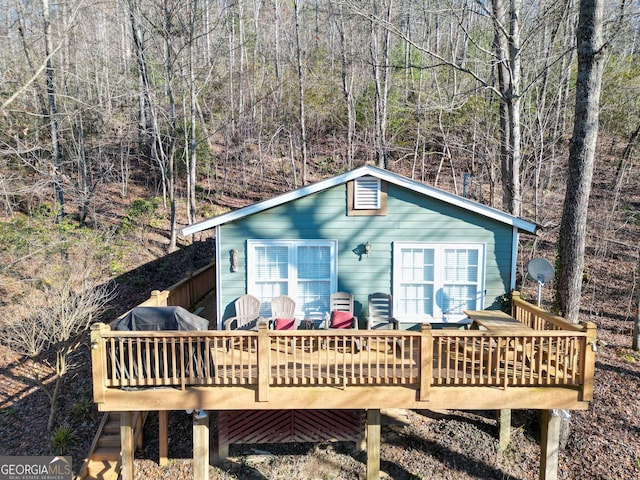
x=61, y=438
x=139, y=214
x=82, y=408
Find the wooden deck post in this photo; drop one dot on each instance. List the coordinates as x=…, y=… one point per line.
x=264, y=362
x=201, y=447
x=163, y=439
x=160, y=297
x=373, y=444
x=426, y=361
x=549, y=445
x=504, y=425
x=98, y=359
x=361, y=444
x=589, y=359
x=514, y=295
x=127, y=445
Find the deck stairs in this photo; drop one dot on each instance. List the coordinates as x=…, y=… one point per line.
x=103, y=461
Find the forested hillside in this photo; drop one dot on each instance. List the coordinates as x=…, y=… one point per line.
x=122, y=121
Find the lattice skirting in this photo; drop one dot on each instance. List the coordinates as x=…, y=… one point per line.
x=281, y=426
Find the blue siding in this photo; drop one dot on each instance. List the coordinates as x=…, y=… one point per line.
x=410, y=217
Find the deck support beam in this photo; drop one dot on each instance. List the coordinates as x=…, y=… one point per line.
x=201, y=447
x=549, y=445
x=373, y=444
x=163, y=438
x=127, y=445
x=504, y=426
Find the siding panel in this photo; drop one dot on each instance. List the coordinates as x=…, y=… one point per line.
x=410, y=217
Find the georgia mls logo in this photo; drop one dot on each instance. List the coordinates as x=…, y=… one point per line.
x=35, y=468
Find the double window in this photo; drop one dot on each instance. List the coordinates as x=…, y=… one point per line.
x=437, y=282
x=305, y=270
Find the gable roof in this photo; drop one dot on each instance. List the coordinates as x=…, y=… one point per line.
x=382, y=174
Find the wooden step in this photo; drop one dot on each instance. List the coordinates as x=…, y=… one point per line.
x=107, y=440
x=113, y=423
x=108, y=454
x=112, y=427
x=105, y=458
x=100, y=470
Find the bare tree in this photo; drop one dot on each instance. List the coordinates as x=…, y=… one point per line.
x=347, y=78
x=507, y=61
x=571, y=242
x=192, y=141
x=379, y=51
x=54, y=128
x=635, y=341
x=47, y=330
x=301, y=106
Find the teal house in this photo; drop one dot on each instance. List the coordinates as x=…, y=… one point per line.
x=368, y=230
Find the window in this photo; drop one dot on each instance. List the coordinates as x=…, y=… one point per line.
x=437, y=282
x=305, y=270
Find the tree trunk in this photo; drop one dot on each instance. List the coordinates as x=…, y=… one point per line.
x=169, y=156
x=191, y=176
x=54, y=129
x=301, y=110
x=507, y=51
x=53, y=403
x=379, y=49
x=635, y=342
x=347, y=91
x=571, y=242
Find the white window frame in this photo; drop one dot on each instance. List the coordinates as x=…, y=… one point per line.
x=366, y=193
x=438, y=281
x=292, y=275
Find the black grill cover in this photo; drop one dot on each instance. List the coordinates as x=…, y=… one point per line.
x=161, y=318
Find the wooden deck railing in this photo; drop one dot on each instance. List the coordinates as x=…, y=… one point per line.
x=537, y=318
x=267, y=359
x=185, y=293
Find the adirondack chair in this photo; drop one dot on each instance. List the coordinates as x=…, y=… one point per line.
x=381, y=313
x=341, y=313
x=247, y=315
x=283, y=309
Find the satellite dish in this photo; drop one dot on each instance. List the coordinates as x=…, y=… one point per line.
x=540, y=270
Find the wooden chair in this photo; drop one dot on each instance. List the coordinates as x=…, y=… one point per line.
x=341, y=313
x=247, y=315
x=381, y=313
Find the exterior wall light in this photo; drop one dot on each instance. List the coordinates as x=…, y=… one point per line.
x=367, y=248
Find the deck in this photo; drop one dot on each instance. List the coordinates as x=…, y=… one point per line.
x=260, y=370
x=529, y=359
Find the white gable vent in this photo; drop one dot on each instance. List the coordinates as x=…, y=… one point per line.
x=366, y=193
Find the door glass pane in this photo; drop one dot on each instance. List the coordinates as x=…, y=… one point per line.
x=457, y=298
x=271, y=262
x=460, y=280
x=314, y=278
x=314, y=262
x=461, y=265
x=313, y=297
x=271, y=271
x=417, y=271
x=416, y=299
